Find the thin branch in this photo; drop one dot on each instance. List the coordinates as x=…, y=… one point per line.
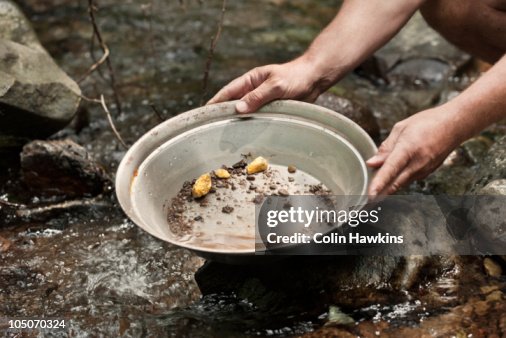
x=157, y=112
x=95, y=65
x=91, y=11
x=92, y=54
x=108, y=113
x=212, y=47
x=111, y=123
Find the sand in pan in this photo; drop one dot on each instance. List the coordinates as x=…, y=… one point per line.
x=225, y=218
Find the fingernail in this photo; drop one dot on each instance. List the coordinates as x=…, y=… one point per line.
x=373, y=159
x=241, y=107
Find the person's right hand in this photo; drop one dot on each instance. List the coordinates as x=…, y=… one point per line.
x=297, y=79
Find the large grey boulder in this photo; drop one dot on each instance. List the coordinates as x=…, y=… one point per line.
x=37, y=98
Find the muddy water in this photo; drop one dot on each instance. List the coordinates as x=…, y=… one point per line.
x=110, y=278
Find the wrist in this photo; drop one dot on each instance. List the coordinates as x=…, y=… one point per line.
x=321, y=73
x=462, y=122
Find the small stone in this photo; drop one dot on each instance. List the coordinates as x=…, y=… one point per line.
x=198, y=218
x=272, y=187
x=202, y=186
x=291, y=179
x=292, y=169
x=259, y=164
x=252, y=187
x=488, y=289
x=283, y=192
x=222, y=173
x=336, y=316
x=258, y=199
x=240, y=164
x=5, y=244
x=250, y=178
x=227, y=209
x=492, y=268
x=495, y=296
x=481, y=307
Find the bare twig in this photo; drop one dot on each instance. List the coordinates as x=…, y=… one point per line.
x=111, y=123
x=10, y=204
x=212, y=47
x=93, y=57
x=106, y=54
x=108, y=113
x=157, y=112
x=95, y=65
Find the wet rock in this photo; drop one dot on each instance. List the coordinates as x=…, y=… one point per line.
x=16, y=27
x=36, y=97
x=419, y=72
x=497, y=187
x=62, y=168
x=492, y=167
x=450, y=180
x=476, y=148
x=337, y=317
x=353, y=110
x=418, y=41
x=300, y=281
x=492, y=268
x=374, y=69
x=311, y=282
x=477, y=318
x=5, y=244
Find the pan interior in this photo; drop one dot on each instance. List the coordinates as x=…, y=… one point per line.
x=320, y=155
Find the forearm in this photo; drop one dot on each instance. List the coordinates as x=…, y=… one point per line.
x=358, y=30
x=482, y=103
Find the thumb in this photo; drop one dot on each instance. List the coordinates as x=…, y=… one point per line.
x=255, y=99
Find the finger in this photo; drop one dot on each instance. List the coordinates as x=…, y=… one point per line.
x=404, y=178
x=384, y=150
x=377, y=160
x=255, y=99
x=393, y=166
x=234, y=90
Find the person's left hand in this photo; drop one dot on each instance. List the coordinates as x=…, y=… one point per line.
x=415, y=147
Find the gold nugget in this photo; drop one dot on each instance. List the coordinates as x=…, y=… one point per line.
x=222, y=173
x=202, y=186
x=259, y=164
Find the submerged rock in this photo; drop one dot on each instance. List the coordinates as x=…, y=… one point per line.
x=36, y=97
x=62, y=168
x=354, y=111
x=310, y=282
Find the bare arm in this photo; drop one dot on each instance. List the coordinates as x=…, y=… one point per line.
x=419, y=144
x=360, y=28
